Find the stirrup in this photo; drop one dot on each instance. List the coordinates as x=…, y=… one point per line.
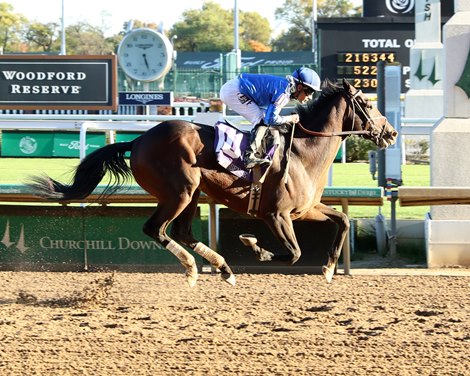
x=251, y=162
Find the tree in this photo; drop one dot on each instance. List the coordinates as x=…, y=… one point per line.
x=136, y=24
x=255, y=32
x=42, y=36
x=292, y=40
x=11, y=28
x=212, y=29
x=208, y=29
x=337, y=8
x=81, y=39
x=258, y=47
x=85, y=39
x=298, y=15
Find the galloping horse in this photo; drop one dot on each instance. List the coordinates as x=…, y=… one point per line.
x=175, y=160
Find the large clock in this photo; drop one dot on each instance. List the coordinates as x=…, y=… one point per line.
x=145, y=54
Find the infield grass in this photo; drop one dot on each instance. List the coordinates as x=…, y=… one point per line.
x=17, y=170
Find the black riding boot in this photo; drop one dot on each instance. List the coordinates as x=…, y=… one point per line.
x=254, y=152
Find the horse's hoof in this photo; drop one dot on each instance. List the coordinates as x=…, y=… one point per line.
x=229, y=278
x=248, y=239
x=191, y=279
x=192, y=275
x=328, y=273
x=227, y=275
x=264, y=255
x=294, y=260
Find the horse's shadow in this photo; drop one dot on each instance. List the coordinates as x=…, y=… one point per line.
x=314, y=240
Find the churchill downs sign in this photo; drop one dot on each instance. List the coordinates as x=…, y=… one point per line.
x=58, y=82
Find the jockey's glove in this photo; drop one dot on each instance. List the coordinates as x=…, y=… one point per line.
x=294, y=119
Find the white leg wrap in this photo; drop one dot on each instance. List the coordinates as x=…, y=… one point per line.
x=182, y=254
x=213, y=257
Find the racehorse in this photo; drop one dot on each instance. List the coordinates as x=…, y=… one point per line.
x=175, y=160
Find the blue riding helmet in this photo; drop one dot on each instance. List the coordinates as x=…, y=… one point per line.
x=307, y=77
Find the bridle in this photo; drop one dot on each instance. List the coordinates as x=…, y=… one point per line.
x=366, y=120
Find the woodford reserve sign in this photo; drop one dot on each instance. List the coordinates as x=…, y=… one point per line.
x=58, y=82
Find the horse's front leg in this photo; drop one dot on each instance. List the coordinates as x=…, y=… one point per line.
x=281, y=225
x=323, y=212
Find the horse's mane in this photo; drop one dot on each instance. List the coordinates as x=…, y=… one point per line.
x=312, y=108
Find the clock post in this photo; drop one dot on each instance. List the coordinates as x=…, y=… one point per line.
x=145, y=55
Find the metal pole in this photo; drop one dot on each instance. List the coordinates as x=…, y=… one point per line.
x=83, y=129
x=314, y=34
x=146, y=88
x=393, y=220
x=213, y=220
x=381, y=107
x=346, y=245
x=62, y=44
x=236, y=44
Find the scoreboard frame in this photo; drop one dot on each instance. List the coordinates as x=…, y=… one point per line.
x=351, y=47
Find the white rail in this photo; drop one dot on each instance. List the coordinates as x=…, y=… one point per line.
x=409, y=126
x=415, y=126
x=101, y=122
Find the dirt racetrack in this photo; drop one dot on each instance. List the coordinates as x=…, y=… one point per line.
x=268, y=324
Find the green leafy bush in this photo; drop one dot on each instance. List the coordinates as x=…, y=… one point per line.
x=357, y=149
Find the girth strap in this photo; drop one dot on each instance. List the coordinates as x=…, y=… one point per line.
x=258, y=179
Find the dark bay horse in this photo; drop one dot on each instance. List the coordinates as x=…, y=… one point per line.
x=175, y=160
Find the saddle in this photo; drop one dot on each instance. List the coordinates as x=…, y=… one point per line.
x=230, y=145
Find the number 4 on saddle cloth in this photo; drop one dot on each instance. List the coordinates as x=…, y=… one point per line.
x=230, y=145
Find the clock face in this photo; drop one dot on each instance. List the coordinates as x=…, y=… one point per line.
x=145, y=55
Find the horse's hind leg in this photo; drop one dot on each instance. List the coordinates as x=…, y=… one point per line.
x=181, y=231
x=156, y=227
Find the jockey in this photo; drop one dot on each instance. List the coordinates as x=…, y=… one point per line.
x=259, y=98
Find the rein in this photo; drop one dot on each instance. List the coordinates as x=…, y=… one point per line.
x=329, y=134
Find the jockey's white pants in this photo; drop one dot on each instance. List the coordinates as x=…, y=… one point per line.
x=240, y=103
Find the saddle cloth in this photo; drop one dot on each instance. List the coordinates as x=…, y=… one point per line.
x=230, y=145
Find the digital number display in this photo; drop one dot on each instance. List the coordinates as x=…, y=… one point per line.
x=366, y=57
x=360, y=68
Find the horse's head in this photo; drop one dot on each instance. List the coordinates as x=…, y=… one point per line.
x=368, y=118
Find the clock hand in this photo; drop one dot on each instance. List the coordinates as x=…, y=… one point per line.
x=146, y=62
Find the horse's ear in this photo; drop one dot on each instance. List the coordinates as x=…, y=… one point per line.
x=346, y=85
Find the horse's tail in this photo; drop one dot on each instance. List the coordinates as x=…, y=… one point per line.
x=91, y=170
